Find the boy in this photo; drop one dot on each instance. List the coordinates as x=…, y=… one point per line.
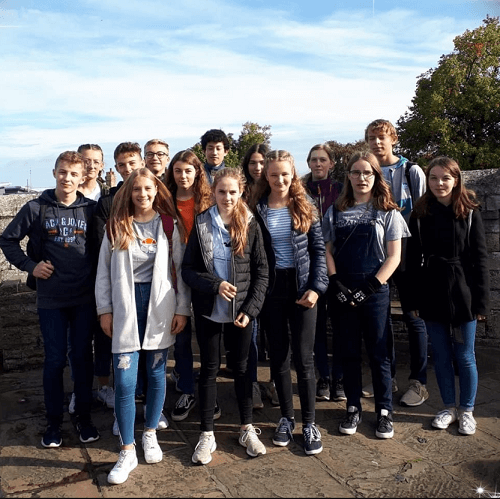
x=157, y=157
x=128, y=158
x=215, y=145
x=59, y=256
x=407, y=181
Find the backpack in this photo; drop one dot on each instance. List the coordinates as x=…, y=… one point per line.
x=408, y=166
x=168, y=227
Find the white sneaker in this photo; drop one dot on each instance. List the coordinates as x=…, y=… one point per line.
x=162, y=423
x=107, y=396
x=116, y=428
x=444, y=418
x=204, y=448
x=72, y=403
x=125, y=464
x=152, y=451
x=249, y=439
x=466, y=423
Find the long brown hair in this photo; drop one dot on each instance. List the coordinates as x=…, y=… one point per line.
x=238, y=228
x=302, y=210
x=463, y=200
x=382, y=198
x=201, y=187
x=119, y=225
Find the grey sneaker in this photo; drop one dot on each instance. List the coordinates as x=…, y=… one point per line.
x=417, y=394
x=338, y=390
x=204, y=448
x=249, y=438
x=323, y=389
x=444, y=418
x=466, y=423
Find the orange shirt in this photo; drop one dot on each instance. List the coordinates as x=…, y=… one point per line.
x=186, y=209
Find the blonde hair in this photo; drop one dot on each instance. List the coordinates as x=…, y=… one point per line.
x=119, y=226
x=302, y=210
x=238, y=228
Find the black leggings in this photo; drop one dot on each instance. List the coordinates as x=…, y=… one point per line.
x=280, y=312
x=208, y=334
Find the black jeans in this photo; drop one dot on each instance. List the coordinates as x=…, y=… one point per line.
x=208, y=334
x=280, y=312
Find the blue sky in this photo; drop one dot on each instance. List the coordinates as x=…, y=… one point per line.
x=108, y=71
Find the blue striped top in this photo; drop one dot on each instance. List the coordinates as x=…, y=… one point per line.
x=280, y=228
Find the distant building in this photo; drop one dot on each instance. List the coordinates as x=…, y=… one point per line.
x=6, y=188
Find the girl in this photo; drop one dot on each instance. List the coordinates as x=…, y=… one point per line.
x=296, y=256
x=93, y=187
x=448, y=261
x=226, y=267
x=186, y=181
x=324, y=190
x=138, y=305
x=363, y=232
x=252, y=166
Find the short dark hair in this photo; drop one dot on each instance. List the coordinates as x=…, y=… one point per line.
x=214, y=135
x=127, y=147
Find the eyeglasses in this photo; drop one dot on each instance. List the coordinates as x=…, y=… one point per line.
x=357, y=174
x=160, y=154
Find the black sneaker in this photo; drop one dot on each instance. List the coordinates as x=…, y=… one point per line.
x=312, y=439
x=385, y=428
x=351, y=421
x=283, y=433
x=182, y=407
x=88, y=432
x=52, y=436
x=338, y=390
x=323, y=389
x=217, y=411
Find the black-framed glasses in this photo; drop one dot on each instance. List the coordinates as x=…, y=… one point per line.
x=160, y=154
x=357, y=174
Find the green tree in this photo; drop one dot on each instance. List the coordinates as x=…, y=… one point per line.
x=456, y=108
x=342, y=153
x=251, y=133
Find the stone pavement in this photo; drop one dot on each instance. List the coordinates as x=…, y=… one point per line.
x=418, y=462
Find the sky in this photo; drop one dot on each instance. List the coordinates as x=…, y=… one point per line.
x=110, y=71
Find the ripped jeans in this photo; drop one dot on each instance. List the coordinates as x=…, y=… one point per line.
x=125, y=367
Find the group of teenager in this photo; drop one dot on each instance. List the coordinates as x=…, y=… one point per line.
x=120, y=272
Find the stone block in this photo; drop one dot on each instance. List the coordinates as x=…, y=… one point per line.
x=492, y=242
x=492, y=226
x=493, y=202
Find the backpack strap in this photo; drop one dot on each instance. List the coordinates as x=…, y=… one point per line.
x=408, y=166
x=168, y=227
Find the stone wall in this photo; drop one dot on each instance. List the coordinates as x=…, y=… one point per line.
x=20, y=341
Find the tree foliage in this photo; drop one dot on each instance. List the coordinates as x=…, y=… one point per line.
x=251, y=133
x=342, y=153
x=456, y=108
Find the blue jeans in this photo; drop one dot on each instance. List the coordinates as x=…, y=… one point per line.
x=126, y=369
x=368, y=321
x=445, y=347
x=63, y=327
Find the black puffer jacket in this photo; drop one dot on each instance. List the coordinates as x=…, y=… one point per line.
x=309, y=255
x=249, y=272
x=447, y=264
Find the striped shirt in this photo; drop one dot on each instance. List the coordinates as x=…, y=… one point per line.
x=280, y=228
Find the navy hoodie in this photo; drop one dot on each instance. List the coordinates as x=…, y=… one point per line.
x=64, y=240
